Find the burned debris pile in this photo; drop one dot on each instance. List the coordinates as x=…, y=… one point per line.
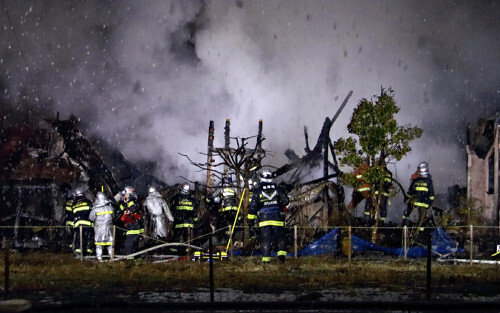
x=40, y=165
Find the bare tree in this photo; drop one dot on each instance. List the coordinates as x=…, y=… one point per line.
x=242, y=162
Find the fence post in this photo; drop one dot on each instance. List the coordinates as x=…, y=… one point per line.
x=6, y=246
x=114, y=242
x=429, y=254
x=211, y=266
x=295, y=240
x=81, y=243
x=471, y=245
x=231, y=240
x=349, y=253
x=405, y=241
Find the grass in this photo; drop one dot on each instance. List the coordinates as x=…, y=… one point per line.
x=34, y=275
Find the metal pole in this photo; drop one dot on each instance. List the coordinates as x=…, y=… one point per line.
x=429, y=253
x=349, y=253
x=114, y=242
x=81, y=243
x=7, y=265
x=211, y=265
x=190, y=231
x=405, y=241
x=471, y=245
x=230, y=240
x=295, y=240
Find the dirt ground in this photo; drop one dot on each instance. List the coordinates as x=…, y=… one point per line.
x=60, y=280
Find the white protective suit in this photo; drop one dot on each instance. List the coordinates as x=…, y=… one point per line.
x=157, y=210
x=102, y=216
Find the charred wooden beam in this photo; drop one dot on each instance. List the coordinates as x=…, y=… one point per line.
x=210, y=153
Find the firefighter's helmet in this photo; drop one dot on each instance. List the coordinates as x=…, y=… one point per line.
x=78, y=192
x=423, y=169
x=101, y=199
x=128, y=190
x=266, y=176
x=184, y=188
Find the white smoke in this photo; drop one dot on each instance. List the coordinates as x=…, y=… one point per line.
x=148, y=76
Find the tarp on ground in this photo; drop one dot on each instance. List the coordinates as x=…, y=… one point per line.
x=441, y=244
x=328, y=244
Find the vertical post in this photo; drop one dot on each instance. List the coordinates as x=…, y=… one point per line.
x=259, y=154
x=211, y=265
x=295, y=240
x=326, y=196
x=190, y=232
x=349, y=252
x=81, y=243
x=471, y=244
x=429, y=253
x=114, y=243
x=6, y=246
x=496, y=169
x=227, y=130
x=405, y=241
x=209, y=154
x=231, y=241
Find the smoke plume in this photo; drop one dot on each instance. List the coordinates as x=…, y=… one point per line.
x=148, y=76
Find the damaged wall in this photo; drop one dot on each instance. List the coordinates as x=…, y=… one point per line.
x=483, y=166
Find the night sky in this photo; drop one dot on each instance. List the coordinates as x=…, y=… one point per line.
x=148, y=76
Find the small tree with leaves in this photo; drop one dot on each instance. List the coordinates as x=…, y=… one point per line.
x=380, y=140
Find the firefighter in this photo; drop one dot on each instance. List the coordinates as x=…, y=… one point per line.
x=81, y=209
x=157, y=212
x=361, y=192
x=185, y=213
x=132, y=219
x=251, y=186
x=268, y=202
x=228, y=197
x=420, y=193
x=384, y=188
x=102, y=216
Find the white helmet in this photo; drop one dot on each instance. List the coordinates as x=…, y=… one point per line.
x=129, y=190
x=266, y=176
x=78, y=192
x=423, y=169
x=184, y=188
x=152, y=189
x=101, y=199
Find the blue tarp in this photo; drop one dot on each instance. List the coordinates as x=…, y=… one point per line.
x=324, y=245
x=441, y=244
x=328, y=245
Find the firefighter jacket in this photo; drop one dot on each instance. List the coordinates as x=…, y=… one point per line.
x=132, y=217
x=81, y=210
x=157, y=211
x=229, y=198
x=421, y=192
x=68, y=219
x=184, y=210
x=102, y=216
x=386, y=185
x=358, y=173
x=267, y=203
